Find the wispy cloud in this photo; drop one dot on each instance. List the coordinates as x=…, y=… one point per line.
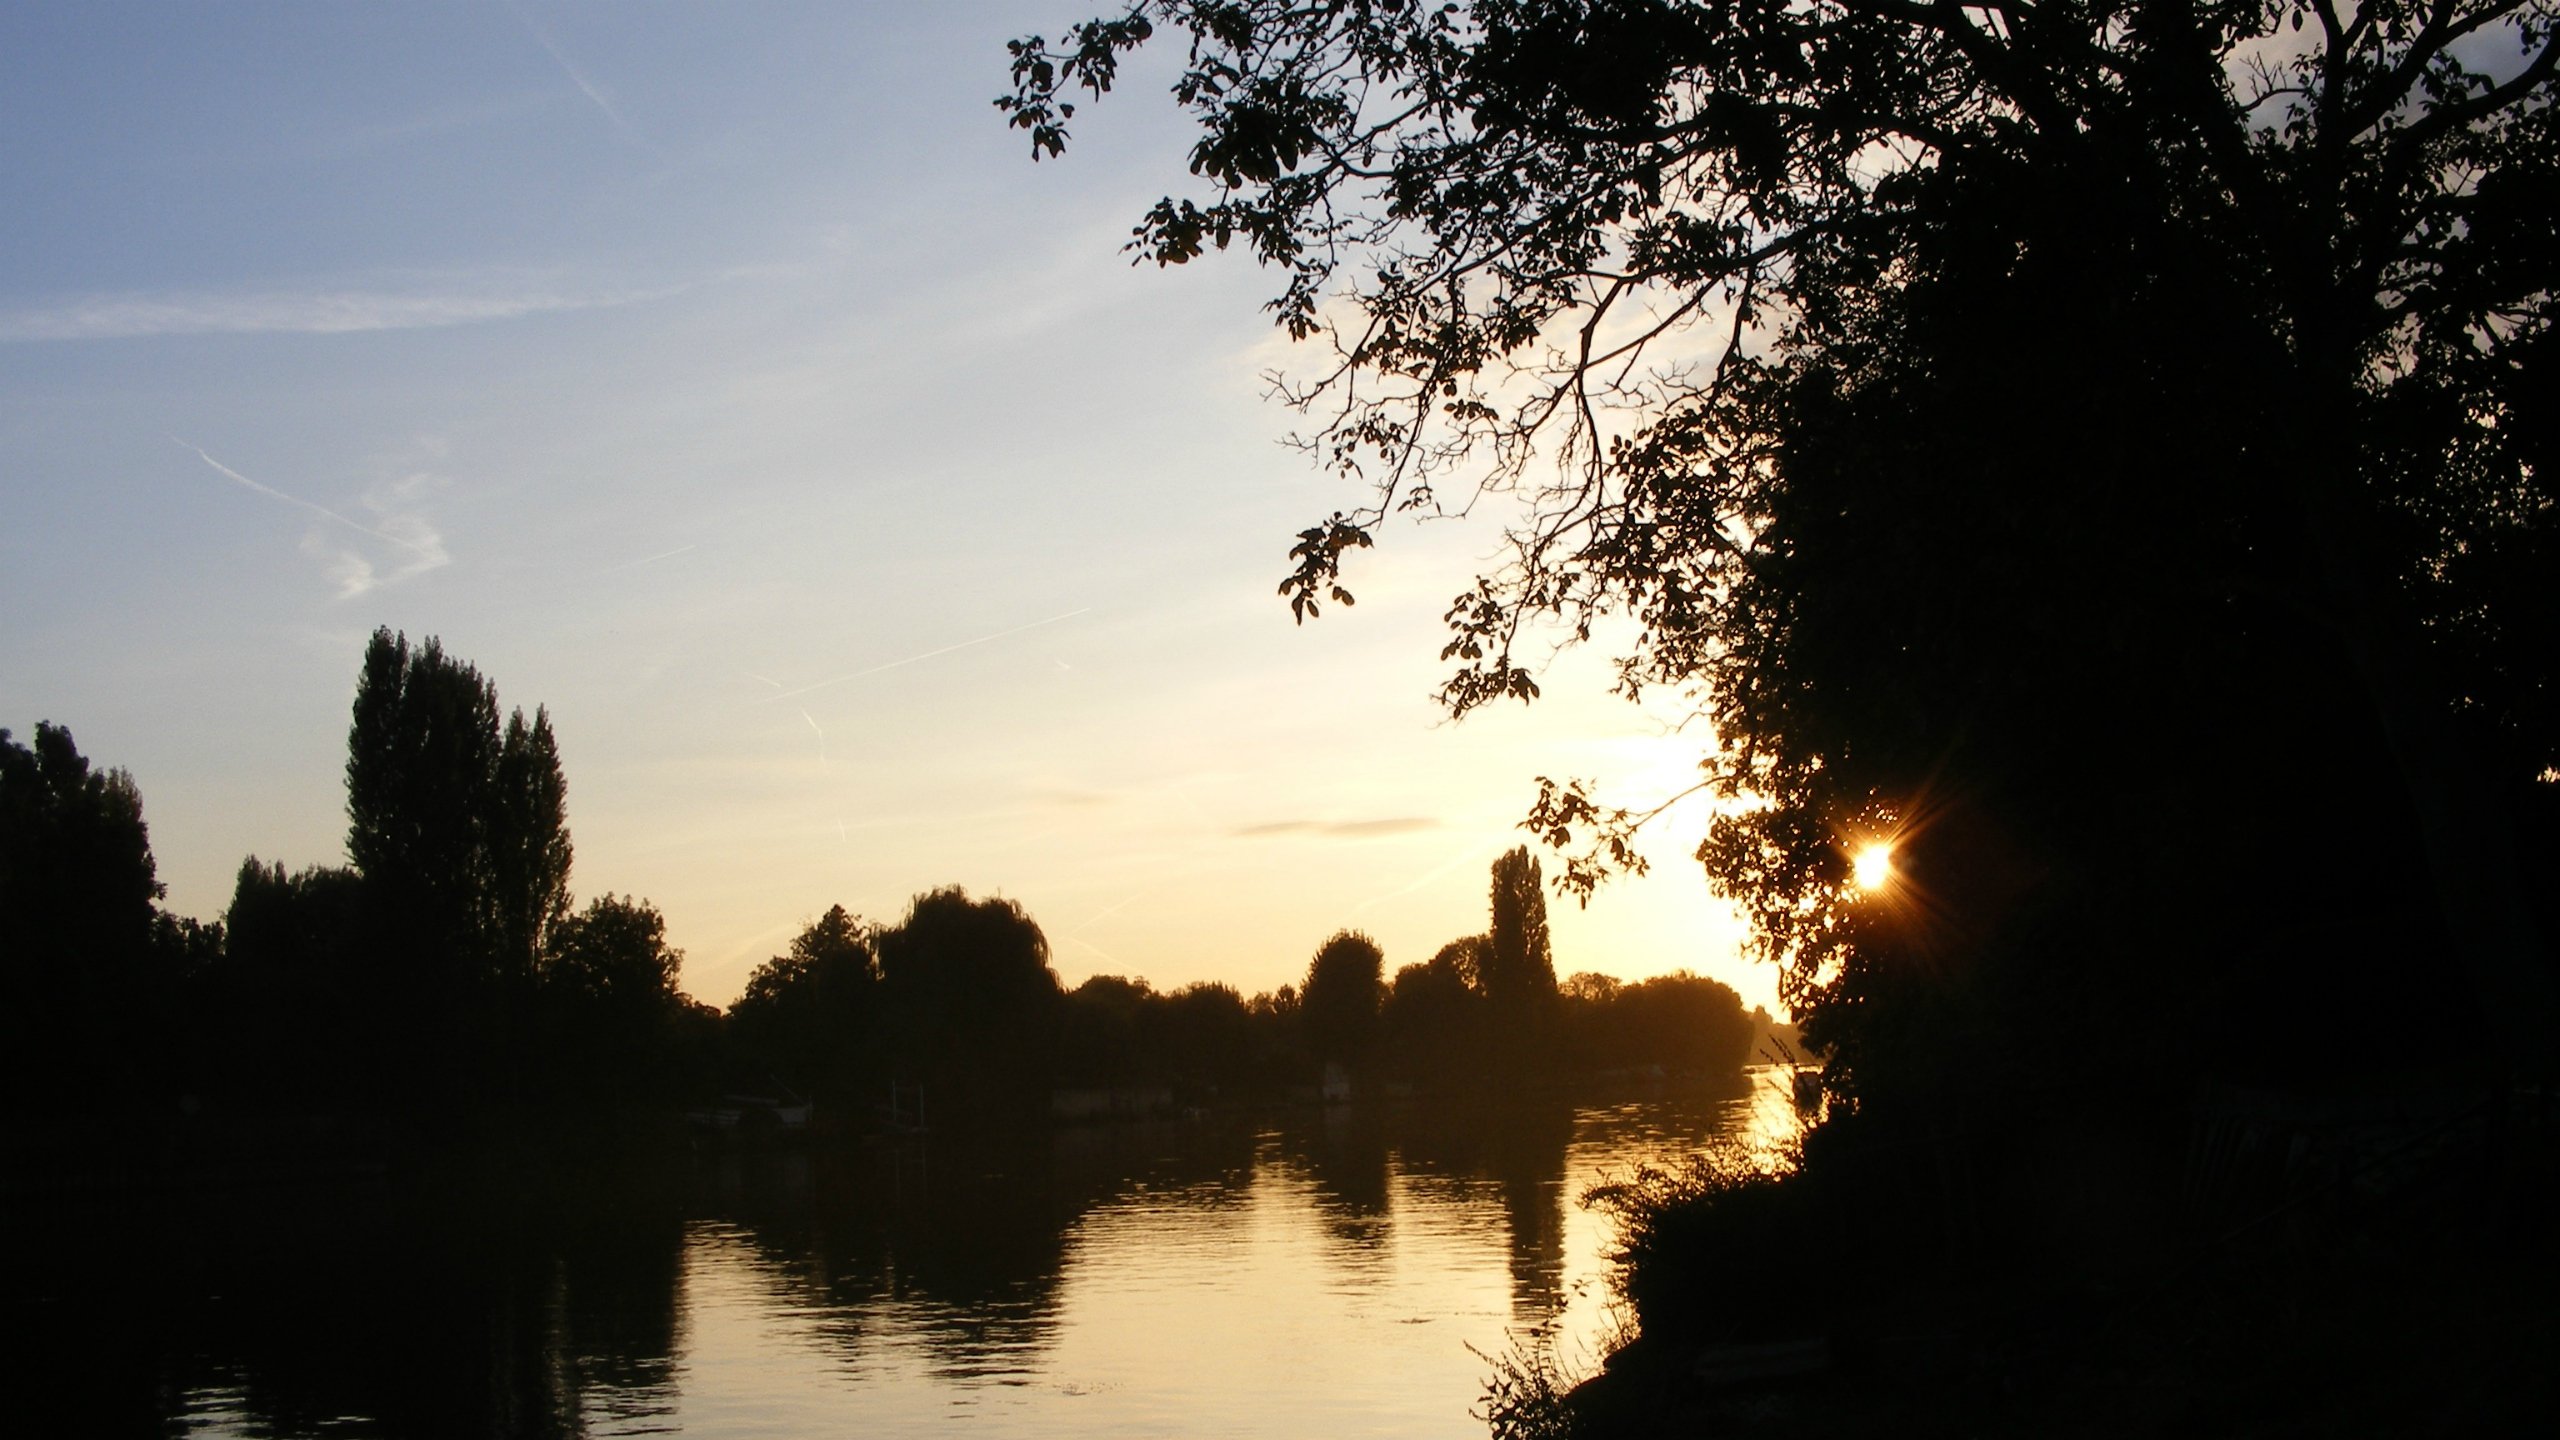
x=1342, y=829
x=929, y=654
x=300, y=312
x=397, y=521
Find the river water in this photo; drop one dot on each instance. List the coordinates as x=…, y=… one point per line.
x=1337, y=1272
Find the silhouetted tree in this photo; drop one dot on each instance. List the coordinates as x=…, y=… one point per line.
x=78, y=926
x=1431, y=1019
x=1466, y=956
x=287, y=1006
x=77, y=881
x=422, y=768
x=1518, y=965
x=1211, y=1038
x=1874, y=341
x=1680, y=1021
x=458, y=830
x=1111, y=1032
x=1338, y=1008
x=811, y=1016
x=969, y=997
x=612, y=1010
x=529, y=851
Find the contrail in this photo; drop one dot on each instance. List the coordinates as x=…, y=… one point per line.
x=1452, y=863
x=647, y=559
x=930, y=654
x=323, y=510
x=578, y=77
x=1098, y=950
x=1114, y=909
x=822, y=748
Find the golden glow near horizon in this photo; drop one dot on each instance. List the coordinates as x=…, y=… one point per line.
x=1872, y=867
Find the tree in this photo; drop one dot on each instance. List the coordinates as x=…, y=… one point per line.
x=968, y=994
x=458, y=830
x=77, y=882
x=1338, y=1007
x=1430, y=1018
x=1519, y=974
x=287, y=1005
x=2062, y=439
x=614, y=955
x=422, y=765
x=79, y=926
x=612, y=1006
x=458, y=825
x=1466, y=957
x=811, y=1015
x=529, y=849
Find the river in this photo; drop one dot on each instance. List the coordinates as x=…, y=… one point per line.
x=1336, y=1272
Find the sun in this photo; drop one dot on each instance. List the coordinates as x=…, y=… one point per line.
x=1872, y=869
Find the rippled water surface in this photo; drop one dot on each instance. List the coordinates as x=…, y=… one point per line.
x=1336, y=1272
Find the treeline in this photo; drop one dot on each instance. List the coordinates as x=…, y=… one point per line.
x=445, y=968
x=958, y=996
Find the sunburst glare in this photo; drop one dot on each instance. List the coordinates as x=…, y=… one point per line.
x=1872, y=868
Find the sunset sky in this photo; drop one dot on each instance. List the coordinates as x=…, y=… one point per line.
x=729, y=380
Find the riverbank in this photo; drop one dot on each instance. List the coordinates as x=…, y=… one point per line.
x=2448, y=1339
x=2378, y=1301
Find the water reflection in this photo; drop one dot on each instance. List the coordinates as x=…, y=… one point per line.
x=1301, y=1273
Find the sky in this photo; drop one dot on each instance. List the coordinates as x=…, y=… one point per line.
x=729, y=380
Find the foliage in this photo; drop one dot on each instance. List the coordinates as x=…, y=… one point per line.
x=1338, y=1006
x=86, y=955
x=611, y=1008
x=1518, y=967
x=1466, y=956
x=1681, y=1022
x=1432, y=1019
x=1713, y=1243
x=288, y=994
x=529, y=851
x=614, y=954
x=2067, y=439
x=969, y=995
x=77, y=882
x=810, y=1015
x=457, y=826
x=422, y=762
x=1526, y=1396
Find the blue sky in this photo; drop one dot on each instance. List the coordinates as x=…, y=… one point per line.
x=729, y=380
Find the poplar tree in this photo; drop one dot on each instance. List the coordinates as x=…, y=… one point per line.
x=458, y=826
x=1519, y=963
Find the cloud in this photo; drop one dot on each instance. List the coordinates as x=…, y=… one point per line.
x=1342, y=829
x=397, y=520
x=307, y=312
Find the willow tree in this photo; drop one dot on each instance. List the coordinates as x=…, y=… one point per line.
x=2101, y=448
